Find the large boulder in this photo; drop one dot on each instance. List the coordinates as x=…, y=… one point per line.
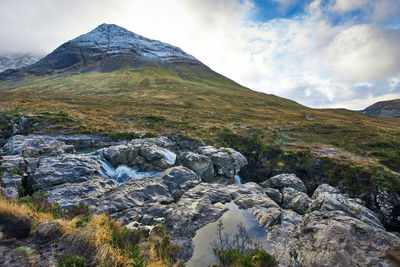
x=122, y=155
x=63, y=169
x=274, y=194
x=200, y=164
x=285, y=180
x=327, y=198
x=143, y=156
x=35, y=146
x=227, y=161
x=335, y=239
x=48, y=231
x=71, y=194
x=295, y=200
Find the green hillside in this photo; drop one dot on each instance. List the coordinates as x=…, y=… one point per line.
x=203, y=105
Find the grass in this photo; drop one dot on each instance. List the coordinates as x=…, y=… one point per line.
x=111, y=243
x=201, y=105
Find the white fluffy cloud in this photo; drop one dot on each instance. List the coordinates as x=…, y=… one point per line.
x=365, y=53
x=306, y=58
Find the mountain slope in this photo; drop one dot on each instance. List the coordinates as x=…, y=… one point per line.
x=17, y=60
x=108, y=48
x=389, y=109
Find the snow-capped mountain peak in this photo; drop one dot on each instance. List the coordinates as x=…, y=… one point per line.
x=113, y=39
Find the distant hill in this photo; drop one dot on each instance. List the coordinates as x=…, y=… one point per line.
x=388, y=109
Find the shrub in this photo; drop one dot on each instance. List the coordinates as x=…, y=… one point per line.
x=80, y=210
x=238, y=250
x=118, y=136
x=70, y=261
x=39, y=203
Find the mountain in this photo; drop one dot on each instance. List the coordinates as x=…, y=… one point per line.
x=105, y=49
x=389, y=109
x=17, y=60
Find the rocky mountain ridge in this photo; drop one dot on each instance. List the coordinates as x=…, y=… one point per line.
x=107, y=48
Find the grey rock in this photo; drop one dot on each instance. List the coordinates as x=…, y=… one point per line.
x=163, y=142
x=274, y=194
x=11, y=184
x=285, y=180
x=200, y=164
x=71, y=194
x=327, y=198
x=48, y=231
x=35, y=146
x=122, y=155
x=65, y=168
x=227, y=162
x=334, y=239
x=295, y=200
x=13, y=163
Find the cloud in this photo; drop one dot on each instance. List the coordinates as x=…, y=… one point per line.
x=307, y=57
x=365, y=53
x=349, y=5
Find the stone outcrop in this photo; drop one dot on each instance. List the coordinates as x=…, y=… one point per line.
x=34, y=146
x=200, y=164
x=227, y=162
x=327, y=228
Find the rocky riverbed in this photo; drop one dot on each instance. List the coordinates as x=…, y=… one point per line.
x=186, y=185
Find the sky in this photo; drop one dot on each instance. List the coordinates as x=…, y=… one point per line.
x=320, y=53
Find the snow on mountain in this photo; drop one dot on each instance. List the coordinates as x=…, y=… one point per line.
x=113, y=39
x=17, y=60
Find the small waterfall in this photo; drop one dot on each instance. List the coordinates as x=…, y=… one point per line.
x=123, y=173
x=237, y=179
x=169, y=156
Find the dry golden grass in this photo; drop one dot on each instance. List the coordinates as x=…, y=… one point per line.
x=10, y=206
x=97, y=233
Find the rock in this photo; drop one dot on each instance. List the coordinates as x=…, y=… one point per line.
x=187, y=144
x=227, y=162
x=15, y=226
x=85, y=141
x=48, y=231
x=6, y=127
x=153, y=152
x=274, y=194
x=295, y=200
x=35, y=146
x=285, y=180
x=15, y=258
x=327, y=198
x=14, y=163
x=122, y=155
x=200, y=164
x=71, y=194
x=65, y=168
x=11, y=184
x=163, y=142
x=144, y=156
x=334, y=239
x=179, y=179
